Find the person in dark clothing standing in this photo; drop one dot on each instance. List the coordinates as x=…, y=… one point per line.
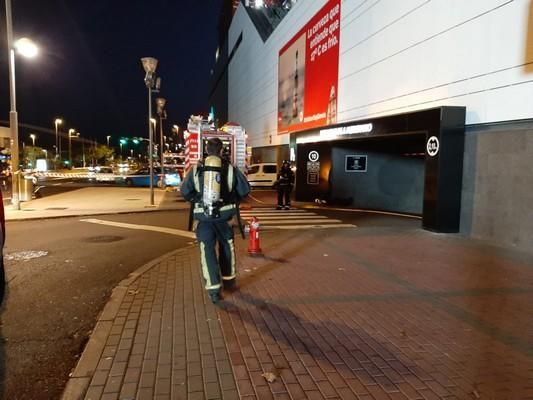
x=214, y=187
x=284, y=184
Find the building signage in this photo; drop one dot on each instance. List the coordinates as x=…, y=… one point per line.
x=313, y=172
x=432, y=146
x=355, y=163
x=336, y=133
x=308, y=71
x=313, y=155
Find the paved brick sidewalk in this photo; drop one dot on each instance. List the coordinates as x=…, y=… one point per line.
x=373, y=313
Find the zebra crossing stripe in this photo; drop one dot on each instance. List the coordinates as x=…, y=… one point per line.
x=272, y=227
x=291, y=217
x=278, y=215
x=271, y=219
x=307, y=221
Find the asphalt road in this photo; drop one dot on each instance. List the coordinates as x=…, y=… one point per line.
x=60, y=274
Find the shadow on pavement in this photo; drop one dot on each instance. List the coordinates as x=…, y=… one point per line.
x=292, y=340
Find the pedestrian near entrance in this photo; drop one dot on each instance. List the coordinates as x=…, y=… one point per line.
x=284, y=185
x=214, y=187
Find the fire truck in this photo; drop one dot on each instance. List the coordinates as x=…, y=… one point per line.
x=200, y=130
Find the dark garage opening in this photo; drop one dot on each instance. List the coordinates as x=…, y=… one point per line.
x=407, y=163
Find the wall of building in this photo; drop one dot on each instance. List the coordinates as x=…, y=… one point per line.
x=397, y=56
x=497, y=200
x=400, y=56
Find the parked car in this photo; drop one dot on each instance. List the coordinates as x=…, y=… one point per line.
x=262, y=175
x=141, y=177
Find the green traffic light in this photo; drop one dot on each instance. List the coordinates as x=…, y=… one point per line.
x=136, y=141
x=123, y=141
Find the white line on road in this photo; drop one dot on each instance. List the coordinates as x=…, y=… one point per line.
x=269, y=227
x=286, y=217
x=170, y=231
x=292, y=221
x=273, y=214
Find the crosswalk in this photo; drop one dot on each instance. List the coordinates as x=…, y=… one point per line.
x=270, y=219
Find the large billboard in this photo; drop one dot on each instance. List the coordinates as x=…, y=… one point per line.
x=308, y=73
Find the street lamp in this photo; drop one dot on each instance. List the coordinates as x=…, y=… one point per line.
x=57, y=122
x=33, y=137
x=150, y=65
x=108, y=137
x=160, y=102
x=27, y=48
x=71, y=134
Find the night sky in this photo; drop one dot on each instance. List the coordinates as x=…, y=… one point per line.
x=89, y=72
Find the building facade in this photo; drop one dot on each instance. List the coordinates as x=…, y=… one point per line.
x=329, y=69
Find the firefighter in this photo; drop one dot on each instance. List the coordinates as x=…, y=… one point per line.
x=284, y=185
x=214, y=187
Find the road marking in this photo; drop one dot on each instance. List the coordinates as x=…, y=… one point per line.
x=274, y=214
x=286, y=217
x=271, y=218
x=307, y=221
x=170, y=231
x=309, y=226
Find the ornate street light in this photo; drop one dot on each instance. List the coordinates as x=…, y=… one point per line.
x=150, y=65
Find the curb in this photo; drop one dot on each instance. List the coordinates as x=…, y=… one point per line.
x=81, y=376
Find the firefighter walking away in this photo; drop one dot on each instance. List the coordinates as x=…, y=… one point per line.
x=214, y=187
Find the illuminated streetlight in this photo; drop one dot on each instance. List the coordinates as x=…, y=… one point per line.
x=33, y=137
x=108, y=137
x=22, y=47
x=26, y=47
x=57, y=122
x=160, y=102
x=71, y=134
x=150, y=65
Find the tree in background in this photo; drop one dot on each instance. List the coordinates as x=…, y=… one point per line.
x=30, y=154
x=100, y=154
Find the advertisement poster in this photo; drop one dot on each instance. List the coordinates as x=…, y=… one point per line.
x=308, y=73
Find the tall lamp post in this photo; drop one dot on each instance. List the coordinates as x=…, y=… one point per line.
x=57, y=122
x=71, y=134
x=160, y=102
x=33, y=136
x=150, y=65
x=27, y=48
x=108, y=137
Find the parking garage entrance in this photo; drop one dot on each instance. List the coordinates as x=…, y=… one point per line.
x=408, y=163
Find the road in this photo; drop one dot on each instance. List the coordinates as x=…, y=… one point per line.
x=54, y=298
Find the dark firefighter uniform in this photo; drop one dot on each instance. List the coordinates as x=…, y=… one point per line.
x=210, y=230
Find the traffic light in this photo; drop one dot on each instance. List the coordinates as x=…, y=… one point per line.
x=123, y=141
x=136, y=141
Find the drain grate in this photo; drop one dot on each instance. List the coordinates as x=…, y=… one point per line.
x=103, y=239
x=132, y=199
x=56, y=208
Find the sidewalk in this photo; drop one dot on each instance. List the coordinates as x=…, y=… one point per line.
x=372, y=313
x=95, y=201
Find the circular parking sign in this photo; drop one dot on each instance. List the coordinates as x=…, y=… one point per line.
x=313, y=155
x=432, y=146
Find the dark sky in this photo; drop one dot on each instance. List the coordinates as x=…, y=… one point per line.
x=89, y=73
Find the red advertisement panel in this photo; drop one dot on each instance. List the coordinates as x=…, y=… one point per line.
x=308, y=73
